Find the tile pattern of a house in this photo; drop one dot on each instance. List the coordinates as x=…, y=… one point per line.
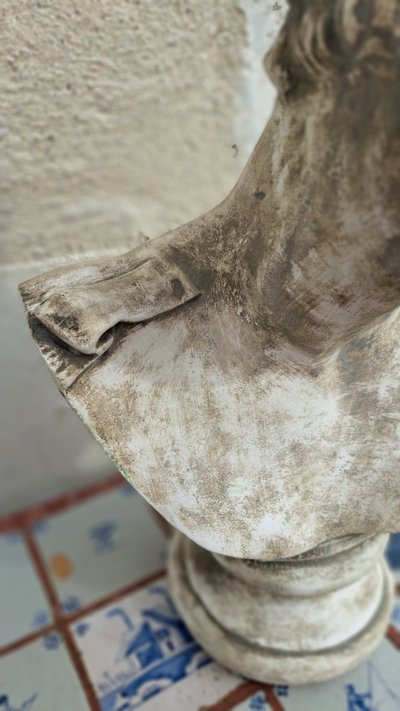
x=151, y=652
x=87, y=622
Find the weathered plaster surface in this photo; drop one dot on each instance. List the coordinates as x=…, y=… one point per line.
x=242, y=370
x=291, y=634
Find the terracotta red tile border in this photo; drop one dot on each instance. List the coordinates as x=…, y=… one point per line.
x=273, y=700
x=22, y=522
x=242, y=693
x=61, y=624
x=29, y=516
x=112, y=597
x=76, y=659
x=27, y=639
x=394, y=636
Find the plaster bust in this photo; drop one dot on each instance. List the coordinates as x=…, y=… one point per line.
x=242, y=370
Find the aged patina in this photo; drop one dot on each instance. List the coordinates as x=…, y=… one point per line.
x=242, y=370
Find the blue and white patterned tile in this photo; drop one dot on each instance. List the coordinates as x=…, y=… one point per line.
x=138, y=652
x=393, y=555
x=373, y=686
x=256, y=702
x=24, y=606
x=100, y=546
x=281, y=691
x=40, y=677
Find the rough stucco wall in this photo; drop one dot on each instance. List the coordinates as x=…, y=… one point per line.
x=116, y=118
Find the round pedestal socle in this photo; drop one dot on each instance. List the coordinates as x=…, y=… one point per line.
x=295, y=621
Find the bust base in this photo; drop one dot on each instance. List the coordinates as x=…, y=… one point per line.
x=295, y=621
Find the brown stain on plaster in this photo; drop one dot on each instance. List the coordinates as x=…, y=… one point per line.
x=391, y=257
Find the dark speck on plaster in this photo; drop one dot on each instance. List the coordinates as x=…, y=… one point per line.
x=177, y=288
x=259, y=195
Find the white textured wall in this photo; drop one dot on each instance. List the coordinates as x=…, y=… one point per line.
x=117, y=119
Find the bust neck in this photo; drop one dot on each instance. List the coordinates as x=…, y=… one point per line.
x=327, y=267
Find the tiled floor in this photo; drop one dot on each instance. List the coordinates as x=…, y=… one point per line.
x=87, y=623
x=24, y=605
x=99, y=546
x=40, y=676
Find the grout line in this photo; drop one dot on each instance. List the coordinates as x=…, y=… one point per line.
x=240, y=693
x=273, y=700
x=22, y=520
x=60, y=624
x=77, y=661
x=394, y=636
x=27, y=639
x=244, y=692
x=62, y=621
x=40, y=568
x=27, y=517
x=112, y=597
